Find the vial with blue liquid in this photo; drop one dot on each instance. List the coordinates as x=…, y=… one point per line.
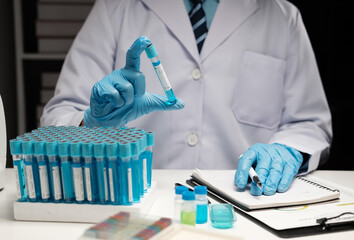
x=16, y=152
x=161, y=74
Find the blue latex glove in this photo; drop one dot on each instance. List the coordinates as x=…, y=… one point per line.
x=120, y=97
x=276, y=167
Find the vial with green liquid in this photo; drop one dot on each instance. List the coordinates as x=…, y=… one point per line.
x=188, y=209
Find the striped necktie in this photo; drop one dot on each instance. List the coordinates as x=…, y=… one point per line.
x=198, y=20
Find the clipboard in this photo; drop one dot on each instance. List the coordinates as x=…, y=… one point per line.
x=293, y=231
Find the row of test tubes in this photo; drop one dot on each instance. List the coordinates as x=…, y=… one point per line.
x=83, y=165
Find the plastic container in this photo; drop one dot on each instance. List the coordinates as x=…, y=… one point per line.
x=201, y=201
x=179, y=190
x=188, y=209
x=222, y=216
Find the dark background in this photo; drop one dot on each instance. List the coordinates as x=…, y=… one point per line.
x=330, y=25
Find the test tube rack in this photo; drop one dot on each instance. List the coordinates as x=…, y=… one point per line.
x=62, y=171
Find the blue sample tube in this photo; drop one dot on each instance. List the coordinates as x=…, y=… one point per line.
x=101, y=172
x=77, y=171
x=54, y=170
x=126, y=172
x=90, y=175
x=113, y=174
x=135, y=150
x=40, y=153
x=149, y=156
x=31, y=173
x=66, y=173
x=202, y=204
x=16, y=152
x=143, y=161
x=161, y=74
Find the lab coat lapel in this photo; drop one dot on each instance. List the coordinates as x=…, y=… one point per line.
x=229, y=15
x=174, y=14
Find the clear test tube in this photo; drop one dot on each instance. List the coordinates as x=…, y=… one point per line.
x=66, y=173
x=77, y=171
x=40, y=153
x=54, y=170
x=135, y=170
x=161, y=74
x=113, y=174
x=32, y=175
x=126, y=172
x=150, y=139
x=16, y=152
x=101, y=172
x=90, y=173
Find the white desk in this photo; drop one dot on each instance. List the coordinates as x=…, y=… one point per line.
x=163, y=206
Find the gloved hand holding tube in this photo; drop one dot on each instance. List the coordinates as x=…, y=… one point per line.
x=277, y=165
x=120, y=97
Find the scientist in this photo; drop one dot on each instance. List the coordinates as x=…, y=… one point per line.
x=245, y=70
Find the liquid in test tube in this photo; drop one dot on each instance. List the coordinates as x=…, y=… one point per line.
x=135, y=170
x=40, y=153
x=161, y=74
x=16, y=152
x=101, y=172
x=90, y=176
x=78, y=176
x=113, y=175
x=54, y=170
x=126, y=172
x=66, y=172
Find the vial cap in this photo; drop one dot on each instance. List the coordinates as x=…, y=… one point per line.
x=124, y=150
x=112, y=149
x=151, y=51
x=188, y=196
x=27, y=147
x=98, y=149
x=150, y=138
x=16, y=146
x=135, y=147
x=200, y=190
x=39, y=148
x=52, y=148
x=181, y=189
x=75, y=148
x=87, y=149
x=63, y=148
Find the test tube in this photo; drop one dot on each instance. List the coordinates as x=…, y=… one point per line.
x=16, y=152
x=143, y=161
x=113, y=175
x=66, y=173
x=126, y=172
x=40, y=153
x=32, y=175
x=77, y=171
x=161, y=74
x=101, y=172
x=135, y=170
x=54, y=170
x=150, y=136
x=90, y=176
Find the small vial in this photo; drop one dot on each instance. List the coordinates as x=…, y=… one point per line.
x=161, y=74
x=142, y=165
x=66, y=172
x=149, y=155
x=40, y=153
x=126, y=172
x=135, y=170
x=54, y=170
x=201, y=201
x=16, y=152
x=188, y=208
x=77, y=171
x=113, y=176
x=179, y=190
x=101, y=172
x=89, y=170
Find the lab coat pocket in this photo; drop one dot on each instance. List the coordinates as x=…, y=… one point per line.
x=258, y=99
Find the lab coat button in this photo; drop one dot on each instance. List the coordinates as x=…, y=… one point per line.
x=192, y=139
x=196, y=74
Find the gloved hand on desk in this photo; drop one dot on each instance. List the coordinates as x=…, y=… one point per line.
x=120, y=97
x=276, y=167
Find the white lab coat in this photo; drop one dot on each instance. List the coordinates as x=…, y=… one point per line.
x=259, y=79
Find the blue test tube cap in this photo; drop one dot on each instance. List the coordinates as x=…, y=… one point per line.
x=99, y=149
x=202, y=190
x=188, y=196
x=112, y=149
x=39, y=147
x=87, y=149
x=52, y=147
x=180, y=190
x=150, y=137
x=135, y=147
x=151, y=51
x=27, y=147
x=16, y=146
x=63, y=148
x=124, y=149
x=75, y=148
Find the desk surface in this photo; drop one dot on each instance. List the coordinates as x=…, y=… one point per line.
x=163, y=206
